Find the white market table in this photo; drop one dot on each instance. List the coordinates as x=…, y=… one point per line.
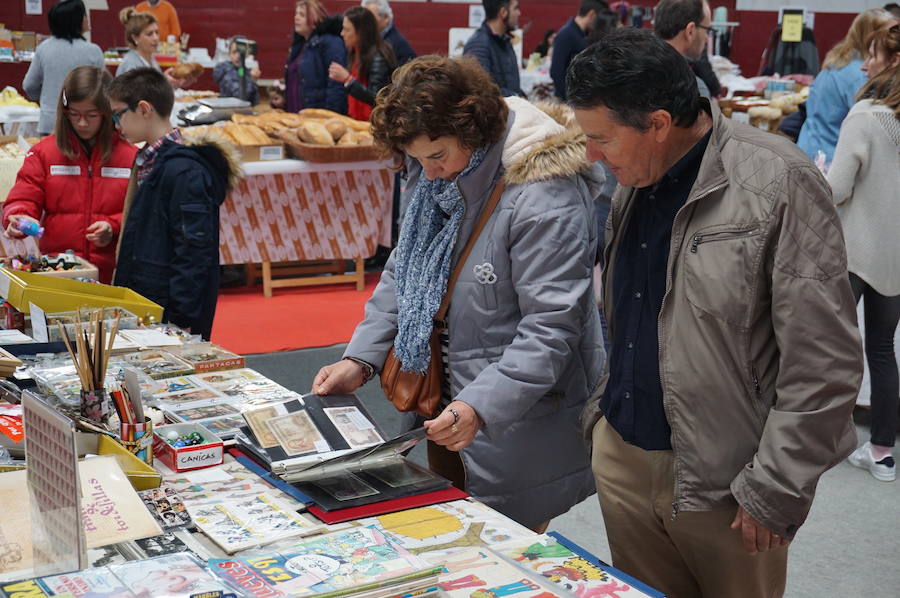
x=289, y=211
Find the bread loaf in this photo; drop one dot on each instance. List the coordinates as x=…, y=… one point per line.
x=364, y=138
x=322, y=114
x=348, y=138
x=291, y=119
x=243, y=119
x=187, y=69
x=336, y=127
x=315, y=132
x=246, y=134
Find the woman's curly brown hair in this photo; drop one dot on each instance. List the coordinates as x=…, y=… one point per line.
x=438, y=96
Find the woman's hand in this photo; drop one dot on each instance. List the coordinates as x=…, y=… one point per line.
x=99, y=233
x=338, y=72
x=339, y=378
x=255, y=73
x=455, y=432
x=14, y=233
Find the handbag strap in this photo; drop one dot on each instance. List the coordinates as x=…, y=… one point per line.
x=483, y=217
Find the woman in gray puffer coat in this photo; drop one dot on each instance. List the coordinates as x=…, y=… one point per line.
x=524, y=349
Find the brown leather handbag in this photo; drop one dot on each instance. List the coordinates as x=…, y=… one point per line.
x=411, y=391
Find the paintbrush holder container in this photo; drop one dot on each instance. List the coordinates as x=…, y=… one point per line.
x=138, y=439
x=96, y=406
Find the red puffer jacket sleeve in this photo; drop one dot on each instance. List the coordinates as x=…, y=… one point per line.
x=28, y=195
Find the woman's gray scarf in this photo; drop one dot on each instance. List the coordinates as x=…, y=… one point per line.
x=422, y=263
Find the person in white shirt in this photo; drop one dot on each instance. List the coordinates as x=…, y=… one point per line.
x=865, y=176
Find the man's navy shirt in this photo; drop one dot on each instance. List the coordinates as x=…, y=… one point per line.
x=633, y=400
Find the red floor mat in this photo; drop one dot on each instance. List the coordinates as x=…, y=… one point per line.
x=246, y=322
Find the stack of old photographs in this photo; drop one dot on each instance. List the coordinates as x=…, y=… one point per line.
x=297, y=434
x=368, y=476
x=215, y=399
x=167, y=508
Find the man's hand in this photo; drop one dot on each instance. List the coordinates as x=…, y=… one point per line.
x=99, y=233
x=342, y=377
x=14, y=233
x=756, y=537
x=455, y=432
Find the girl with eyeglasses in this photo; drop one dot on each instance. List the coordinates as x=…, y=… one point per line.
x=74, y=181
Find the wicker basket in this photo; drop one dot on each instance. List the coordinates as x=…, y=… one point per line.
x=323, y=153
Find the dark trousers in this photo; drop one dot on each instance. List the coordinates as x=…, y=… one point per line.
x=881, y=315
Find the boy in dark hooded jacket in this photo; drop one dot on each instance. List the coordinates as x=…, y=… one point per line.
x=169, y=246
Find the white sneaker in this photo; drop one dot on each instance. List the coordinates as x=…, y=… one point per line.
x=883, y=470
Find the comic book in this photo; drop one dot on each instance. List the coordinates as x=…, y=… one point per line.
x=577, y=572
x=239, y=524
x=226, y=482
x=179, y=575
x=445, y=528
x=90, y=583
x=481, y=573
x=160, y=545
x=347, y=563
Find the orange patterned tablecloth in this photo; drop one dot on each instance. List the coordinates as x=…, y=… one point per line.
x=307, y=213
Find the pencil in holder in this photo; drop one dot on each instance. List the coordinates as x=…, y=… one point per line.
x=96, y=406
x=138, y=439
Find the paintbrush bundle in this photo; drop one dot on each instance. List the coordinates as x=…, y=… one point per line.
x=90, y=353
x=91, y=349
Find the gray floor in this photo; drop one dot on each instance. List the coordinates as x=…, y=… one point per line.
x=849, y=547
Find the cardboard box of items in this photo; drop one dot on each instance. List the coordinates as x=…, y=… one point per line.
x=262, y=153
x=207, y=357
x=210, y=452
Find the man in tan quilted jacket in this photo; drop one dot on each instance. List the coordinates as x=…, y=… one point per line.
x=735, y=356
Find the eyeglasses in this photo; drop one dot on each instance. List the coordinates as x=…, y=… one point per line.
x=709, y=30
x=117, y=115
x=90, y=115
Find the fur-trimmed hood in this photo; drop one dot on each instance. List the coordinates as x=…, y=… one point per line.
x=544, y=142
x=219, y=153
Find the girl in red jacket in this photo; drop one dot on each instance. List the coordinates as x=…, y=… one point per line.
x=75, y=181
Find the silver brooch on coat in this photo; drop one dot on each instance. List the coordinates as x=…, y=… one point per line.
x=484, y=273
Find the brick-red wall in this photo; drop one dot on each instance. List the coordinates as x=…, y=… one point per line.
x=270, y=22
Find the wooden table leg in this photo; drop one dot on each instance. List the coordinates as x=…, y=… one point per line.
x=251, y=274
x=267, y=278
x=361, y=274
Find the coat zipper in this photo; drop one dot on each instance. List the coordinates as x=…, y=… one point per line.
x=90, y=199
x=755, y=375
x=659, y=340
x=699, y=239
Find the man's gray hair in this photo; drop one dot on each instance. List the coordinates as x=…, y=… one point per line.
x=384, y=8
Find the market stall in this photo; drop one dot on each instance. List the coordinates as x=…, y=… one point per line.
x=149, y=464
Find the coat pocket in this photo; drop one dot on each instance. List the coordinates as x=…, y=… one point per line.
x=197, y=224
x=719, y=270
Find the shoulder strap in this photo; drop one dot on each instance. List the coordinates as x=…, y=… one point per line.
x=483, y=217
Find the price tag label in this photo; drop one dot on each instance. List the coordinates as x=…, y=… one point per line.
x=792, y=27
x=271, y=152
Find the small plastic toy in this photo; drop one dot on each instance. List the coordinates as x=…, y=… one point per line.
x=192, y=439
x=30, y=228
